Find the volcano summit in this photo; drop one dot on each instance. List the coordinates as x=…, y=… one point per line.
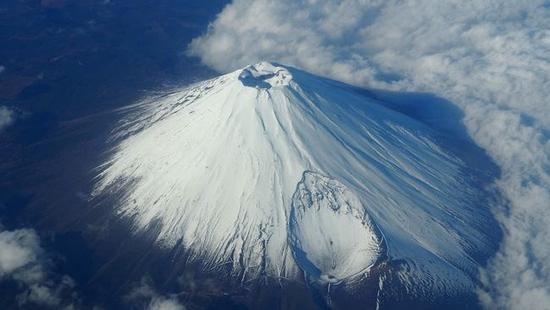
x=270, y=171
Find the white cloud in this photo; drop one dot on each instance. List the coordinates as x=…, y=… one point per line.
x=23, y=260
x=165, y=304
x=6, y=117
x=489, y=57
x=146, y=297
x=19, y=248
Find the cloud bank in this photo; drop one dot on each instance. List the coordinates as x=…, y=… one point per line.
x=23, y=261
x=489, y=57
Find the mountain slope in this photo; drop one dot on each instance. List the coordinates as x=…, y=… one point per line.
x=271, y=171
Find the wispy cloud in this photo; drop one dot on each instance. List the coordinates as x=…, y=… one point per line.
x=489, y=57
x=7, y=117
x=146, y=297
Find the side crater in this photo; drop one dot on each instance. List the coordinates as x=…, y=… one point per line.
x=332, y=237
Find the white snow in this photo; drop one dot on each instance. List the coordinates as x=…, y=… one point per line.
x=331, y=235
x=265, y=75
x=276, y=172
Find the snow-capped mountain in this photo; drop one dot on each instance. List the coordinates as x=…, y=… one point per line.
x=269, y=171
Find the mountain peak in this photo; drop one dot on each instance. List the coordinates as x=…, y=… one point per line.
x=265, y=75
x=292, y=174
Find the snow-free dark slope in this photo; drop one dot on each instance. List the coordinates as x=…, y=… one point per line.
x=274, y=172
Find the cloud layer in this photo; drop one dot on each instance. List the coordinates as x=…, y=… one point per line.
x=489, y=57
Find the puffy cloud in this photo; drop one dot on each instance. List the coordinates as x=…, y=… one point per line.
x=23, y=260
x=6, y=117
x=489, y=57
x=146, y=297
